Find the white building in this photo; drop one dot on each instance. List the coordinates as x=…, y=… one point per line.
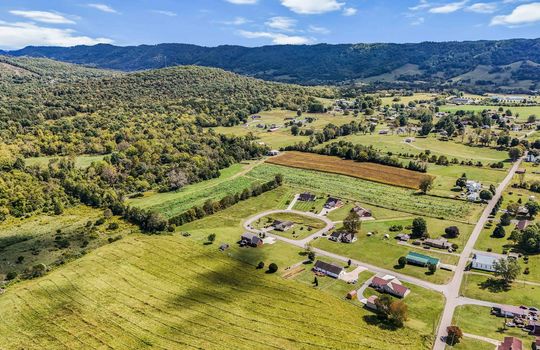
x=484, y=262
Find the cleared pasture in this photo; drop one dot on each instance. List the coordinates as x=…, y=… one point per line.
x=369, y=171
x=168, y=293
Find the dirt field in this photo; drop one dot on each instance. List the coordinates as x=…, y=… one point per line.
x=369, y=171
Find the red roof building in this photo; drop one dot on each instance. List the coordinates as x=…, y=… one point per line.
x=511, y=343
x=391, y=285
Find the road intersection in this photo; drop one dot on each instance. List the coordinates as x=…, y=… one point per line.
x=450, y=290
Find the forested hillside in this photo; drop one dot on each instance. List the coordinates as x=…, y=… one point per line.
x=429, y=62
x=148, y=127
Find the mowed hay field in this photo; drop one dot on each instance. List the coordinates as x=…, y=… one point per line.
x=167, y=292
x=369, y=171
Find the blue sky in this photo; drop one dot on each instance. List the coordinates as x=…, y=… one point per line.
x=261, y=22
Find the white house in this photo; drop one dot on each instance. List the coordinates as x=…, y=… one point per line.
x=473, y=186
x=484, y=262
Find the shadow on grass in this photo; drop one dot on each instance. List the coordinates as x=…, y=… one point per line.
x=494, y=285
x=399, y=267
x=375, y=320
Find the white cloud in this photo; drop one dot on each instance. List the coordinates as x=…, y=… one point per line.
x=277, y=38
x=238, y=21
x=103, y=7
x=165, y=13
x=349, y=11
x=43, y=16
x=20, y=34
x=242, y=2
x=281, y=23
x=423, y=4
x=483, y=7
x=312, y=7
x=523, y=14
x=318, y=30
x=449, y=8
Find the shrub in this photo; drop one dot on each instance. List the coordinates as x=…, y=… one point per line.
x=452, y=231
x=402, y=261
x=113, y=226
x=499, y=232
x=272, y=268
x=260, y=265
x=11, y=275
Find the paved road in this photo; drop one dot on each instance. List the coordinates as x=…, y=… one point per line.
x=452, y=289
x=301, y=242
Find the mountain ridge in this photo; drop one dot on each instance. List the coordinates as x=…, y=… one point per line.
x=437, y=62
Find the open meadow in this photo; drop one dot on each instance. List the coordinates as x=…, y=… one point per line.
x=168, y=292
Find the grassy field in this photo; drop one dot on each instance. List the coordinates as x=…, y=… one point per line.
x=80, y=161
x=446, y=176
x=53, y=240
x=132, y=294
x=231, y=181
x=368, y=171
x=523, y=112
x=303, y=225
x=389, y=197
x=477, y=320
x=478, y=287
x=282, y=137
x=452, y=149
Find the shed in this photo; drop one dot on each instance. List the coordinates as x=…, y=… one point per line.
x=370, y=303
x=352, y=294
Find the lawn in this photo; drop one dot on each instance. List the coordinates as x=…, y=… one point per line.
x=477, y=287
x=170, y=292
x=477, y=320
x=386, y=196
x=303, y=225
x=385, y=253
x=170, y=204
x=471, y=344
x=446, y=176
x=54, y=240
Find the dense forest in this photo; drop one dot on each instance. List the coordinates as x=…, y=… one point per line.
x=315, y=64
x=148, y=126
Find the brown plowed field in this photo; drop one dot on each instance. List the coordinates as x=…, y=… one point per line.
x=369, y=171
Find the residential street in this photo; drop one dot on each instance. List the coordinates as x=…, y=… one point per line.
x=452, y=289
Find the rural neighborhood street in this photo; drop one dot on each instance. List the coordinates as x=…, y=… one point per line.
x=450, y=290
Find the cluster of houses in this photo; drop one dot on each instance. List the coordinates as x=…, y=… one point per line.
x=521, y=317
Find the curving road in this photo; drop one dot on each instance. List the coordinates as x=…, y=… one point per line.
x=300, y=242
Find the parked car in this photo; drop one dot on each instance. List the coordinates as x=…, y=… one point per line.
x=533, y=309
